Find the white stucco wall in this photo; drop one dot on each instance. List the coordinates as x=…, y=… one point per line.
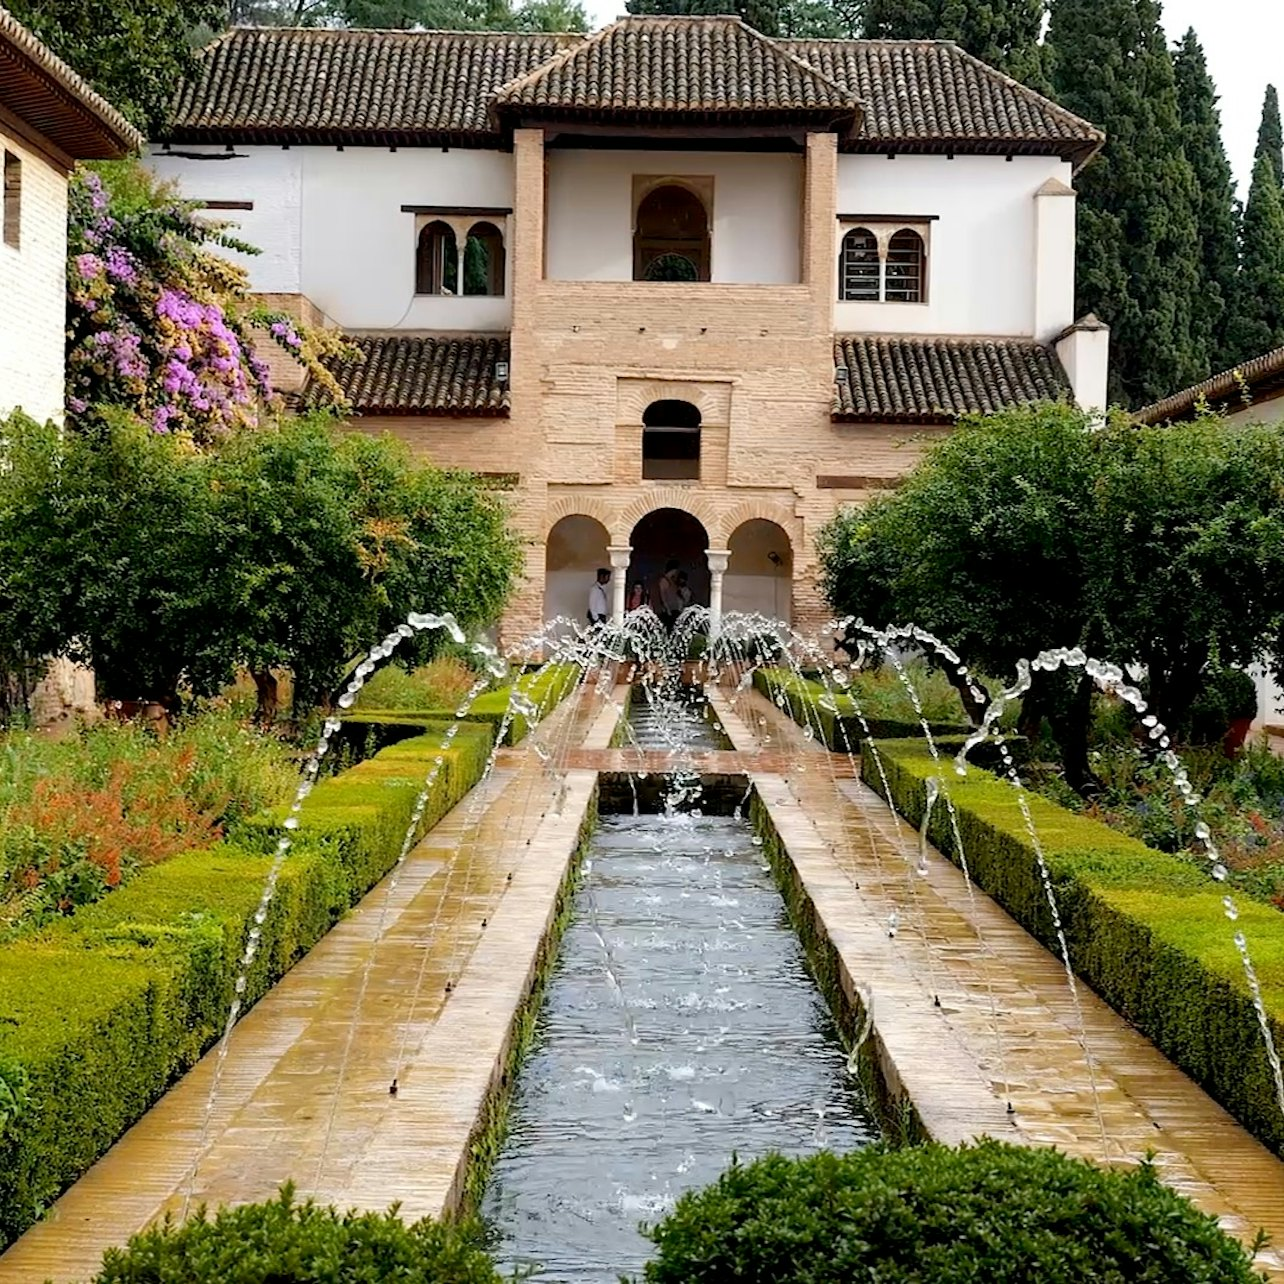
x=33, y=291
x=981, y=245
x=756, y=216
x=331, y=227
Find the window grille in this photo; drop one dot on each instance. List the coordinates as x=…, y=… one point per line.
x=859, y=268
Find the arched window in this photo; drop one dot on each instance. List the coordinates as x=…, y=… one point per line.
x=858, y=267
x=436, y=260
x=671, y=441
x=905, y=261
x=671, y=236
x=484, y=260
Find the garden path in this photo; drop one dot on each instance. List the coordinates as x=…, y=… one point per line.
x=304, y=1093
x=1007, y=1028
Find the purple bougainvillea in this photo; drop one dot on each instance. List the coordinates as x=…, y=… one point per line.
x=160, y=323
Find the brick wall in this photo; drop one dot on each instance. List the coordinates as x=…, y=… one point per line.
x=588, y=357
x=33, y=288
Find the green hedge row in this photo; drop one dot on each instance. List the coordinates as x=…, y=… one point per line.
x=1146, y=930
x=546, y=687
x=99, y=1013
x=838, y=727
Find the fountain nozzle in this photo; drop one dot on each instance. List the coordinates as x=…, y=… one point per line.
x=392, y=1088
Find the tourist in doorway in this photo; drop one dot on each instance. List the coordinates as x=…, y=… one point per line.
x=684, y=591
x=637, y=596
x=598, y=606
x=670, y=597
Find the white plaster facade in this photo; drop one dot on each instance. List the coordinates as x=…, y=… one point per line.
x=331, y=227
x=33, y=283
x=986, y=268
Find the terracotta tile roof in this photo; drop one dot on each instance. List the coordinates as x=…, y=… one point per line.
x=1257, y=378
x=418, y=374
x=906, y=379
x=40, y=89
x=375, y=87
x=454, y=89
x=927, y=95
x=667, y=67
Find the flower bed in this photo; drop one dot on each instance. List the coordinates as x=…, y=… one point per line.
x=546, y=688
x=81, y=817
x=886, y=705
x=99, y=1012
x=1146, y=929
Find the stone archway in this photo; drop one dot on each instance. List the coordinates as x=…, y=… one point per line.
x=667, y=535
x=576, y=547
x=760, y=571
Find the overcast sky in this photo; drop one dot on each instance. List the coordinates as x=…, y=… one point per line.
x=1244, y=41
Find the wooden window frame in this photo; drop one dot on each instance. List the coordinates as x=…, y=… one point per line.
x=12, y=200
x=698, y=250
x=884, y=229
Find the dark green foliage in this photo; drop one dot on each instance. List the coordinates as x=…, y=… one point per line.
x=1258, y=323
x=937, y=1215
x=103, y=1011
x=1003, y=33
x=1146, y=930
x=813, y=19
x=294, y=546
x=1139, y=258
x=1026, y=531
x=1218, y=209
x=132, y=51
x=302, y=1243
x=1270, y=136
x=404, y=15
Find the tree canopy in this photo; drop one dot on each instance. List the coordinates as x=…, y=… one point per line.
x=1270, y=135
x=291, y=546
x=1028, y=530
x=1004, y=33
x=132, y=51
x=1217, y=209
x=1258, y=323
x=1139, y=254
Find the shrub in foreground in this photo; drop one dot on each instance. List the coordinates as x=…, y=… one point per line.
x=303, y=1243
x=992, y=1212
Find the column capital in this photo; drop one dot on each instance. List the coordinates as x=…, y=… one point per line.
x=718, y=559
x=619, y=555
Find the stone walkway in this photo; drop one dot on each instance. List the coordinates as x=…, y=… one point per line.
x=304, y=1091
x=1007, y=1028
x=421, y=981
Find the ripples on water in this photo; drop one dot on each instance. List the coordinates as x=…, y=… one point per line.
x=734, y=1049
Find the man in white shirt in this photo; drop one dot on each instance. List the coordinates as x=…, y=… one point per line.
x=599, y=609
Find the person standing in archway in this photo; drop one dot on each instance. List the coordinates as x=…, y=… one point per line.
x=669, y=594
x=599, y=609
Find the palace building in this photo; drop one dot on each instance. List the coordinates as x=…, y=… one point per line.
x=681, y=288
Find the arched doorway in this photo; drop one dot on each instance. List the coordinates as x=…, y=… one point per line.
x=666, y=535
x=760, y=571
x=671, y=236
x=576, y=548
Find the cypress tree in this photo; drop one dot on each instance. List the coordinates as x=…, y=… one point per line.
x=1217, y=208
x=1258, y=322
x=1139, y=255
x=1003, y=33
x=1270, y=137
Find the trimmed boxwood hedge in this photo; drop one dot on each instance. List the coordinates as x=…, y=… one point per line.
x=1146, y=930
x=304, y=1243
x=839, y=727
x=547, y=687
x=937, y=1215
x=100, y=1012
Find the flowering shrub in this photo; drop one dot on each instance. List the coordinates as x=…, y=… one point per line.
x=79, y=817
x=159, y=322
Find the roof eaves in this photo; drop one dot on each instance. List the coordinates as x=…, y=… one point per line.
x=1269, y=367
x=122, y=138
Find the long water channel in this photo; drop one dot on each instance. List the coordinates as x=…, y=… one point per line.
x=680, y=1028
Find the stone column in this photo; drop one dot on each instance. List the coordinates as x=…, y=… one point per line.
x=718, y=558
x=620, y=555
